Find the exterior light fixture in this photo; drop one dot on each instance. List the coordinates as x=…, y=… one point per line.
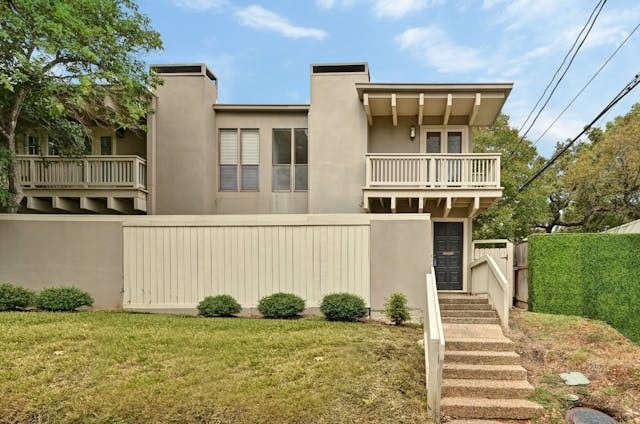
x=412, y=133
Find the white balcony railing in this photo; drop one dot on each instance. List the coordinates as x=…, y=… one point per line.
x=85, y=172
x=455, y=170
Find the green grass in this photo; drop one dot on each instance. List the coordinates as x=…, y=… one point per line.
x=134, y=368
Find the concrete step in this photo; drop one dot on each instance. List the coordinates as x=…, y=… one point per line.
x=480, y=357
x=484, y=372
x=471, y=320
x=469, y=407
x=467, y=313
x=465, y=306
x=494, y=389
x=498, y=345
x=461, y=298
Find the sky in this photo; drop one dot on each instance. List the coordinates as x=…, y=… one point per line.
x=261, y=50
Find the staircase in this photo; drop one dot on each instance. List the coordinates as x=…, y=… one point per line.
x=482, y=376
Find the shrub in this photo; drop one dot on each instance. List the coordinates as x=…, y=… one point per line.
x=63, y=299
x=590, y=275
x=396, y=309
x=219, y=306
x=15, y=297
x=343, y=307
x=281, y=305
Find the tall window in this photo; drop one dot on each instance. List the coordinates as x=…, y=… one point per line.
x=106, y=145
x=239, y=160
x=289, y=159
x=33, y=145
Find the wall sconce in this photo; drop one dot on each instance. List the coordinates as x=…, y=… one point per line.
x=412, y=133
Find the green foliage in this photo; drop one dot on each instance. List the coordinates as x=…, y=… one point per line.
x=223, y=305
x=67, y=65
x=396, y=309
x=63, y=299
x=15, y=297
x=590, y=275
x=343, y=307
x=281, y=305
x=515, y=215
x=5, y=164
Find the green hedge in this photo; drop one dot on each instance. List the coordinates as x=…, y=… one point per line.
x=591, y=275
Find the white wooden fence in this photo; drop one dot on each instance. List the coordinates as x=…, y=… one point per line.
x=176, y=264
x=502, y=252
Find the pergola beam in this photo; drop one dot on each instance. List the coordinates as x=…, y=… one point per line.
x=64, y=204
x=447, y=208
x=393, y=204
x=420, y=108
x=447, y=110
x=476, y=108
x=93, y=205
x=117, y=205
x=394, y=109
x=367, y=108
x=39, y=205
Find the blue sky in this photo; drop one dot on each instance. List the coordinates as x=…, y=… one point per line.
x=261, y=50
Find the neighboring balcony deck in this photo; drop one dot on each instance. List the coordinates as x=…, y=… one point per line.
x=445, y=185
x=100, y=184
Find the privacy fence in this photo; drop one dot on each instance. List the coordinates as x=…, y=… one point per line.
x=173, y=262
x=591, y=275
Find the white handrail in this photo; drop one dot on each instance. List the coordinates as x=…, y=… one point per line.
x=496, y=287
x=433, y=347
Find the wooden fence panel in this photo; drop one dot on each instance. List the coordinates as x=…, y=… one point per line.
x=521, y=275
x=177, y=266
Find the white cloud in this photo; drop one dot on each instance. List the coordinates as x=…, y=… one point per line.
x=399, y=8
x=201, y=4
x=260, y=18
x=432, y=45
x=325, y=4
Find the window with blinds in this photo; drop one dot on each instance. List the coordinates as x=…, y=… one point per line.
x=239, y=160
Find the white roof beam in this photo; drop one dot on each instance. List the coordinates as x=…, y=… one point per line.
x=474, y=207
x=447, y=110
x=476, y=107
x=447, y=208
x=367, y=108
x=420, y=108
x=394, y=109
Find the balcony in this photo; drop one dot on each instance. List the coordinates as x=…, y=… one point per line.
x=100, y=184
x=445, y=185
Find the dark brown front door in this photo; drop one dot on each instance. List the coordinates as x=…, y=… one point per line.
x=447, y=255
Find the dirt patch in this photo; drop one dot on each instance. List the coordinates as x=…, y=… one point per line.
x=553, y=344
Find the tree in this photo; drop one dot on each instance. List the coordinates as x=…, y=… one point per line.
x=605, y=180
x=514, y=216
x=67, y=65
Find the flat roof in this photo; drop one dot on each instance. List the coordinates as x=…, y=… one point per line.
x=184, y=69
x=389, y=87
x=261, y=107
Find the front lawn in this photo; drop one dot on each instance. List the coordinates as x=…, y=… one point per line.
x=98, y=367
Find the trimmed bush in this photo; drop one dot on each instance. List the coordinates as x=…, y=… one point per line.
x=219, y=306
x=63, y=299
x=396, y=309
x=343, y=307
x=281, y=305
x=590, y=275
x=13, y=297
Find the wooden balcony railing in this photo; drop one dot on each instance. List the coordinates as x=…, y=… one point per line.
x=454, y=170
x=85, y=172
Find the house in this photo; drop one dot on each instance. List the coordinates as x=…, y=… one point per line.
x=359, y=146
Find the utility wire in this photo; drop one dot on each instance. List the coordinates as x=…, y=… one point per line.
x=626, y=90
x=590, y=22
x=586, y=85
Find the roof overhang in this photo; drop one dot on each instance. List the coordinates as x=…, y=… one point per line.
x=435, y=104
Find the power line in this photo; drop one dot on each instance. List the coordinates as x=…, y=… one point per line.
x=587, y=84
x=621, y=94
x=590, y=22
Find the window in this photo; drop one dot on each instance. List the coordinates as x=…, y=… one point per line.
x=433, y=142
x=289, y=159
x=239, y=162
x=454, y=142
x=52, y=148
x=452, y=139
x=33, y=145
x=106, y=145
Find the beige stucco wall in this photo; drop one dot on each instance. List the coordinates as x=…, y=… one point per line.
x=338, y=143
x=131, y=143
x=185, y=150
x=385, y=138
x=400, y=252
x=41, y=252
x=264, y=200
